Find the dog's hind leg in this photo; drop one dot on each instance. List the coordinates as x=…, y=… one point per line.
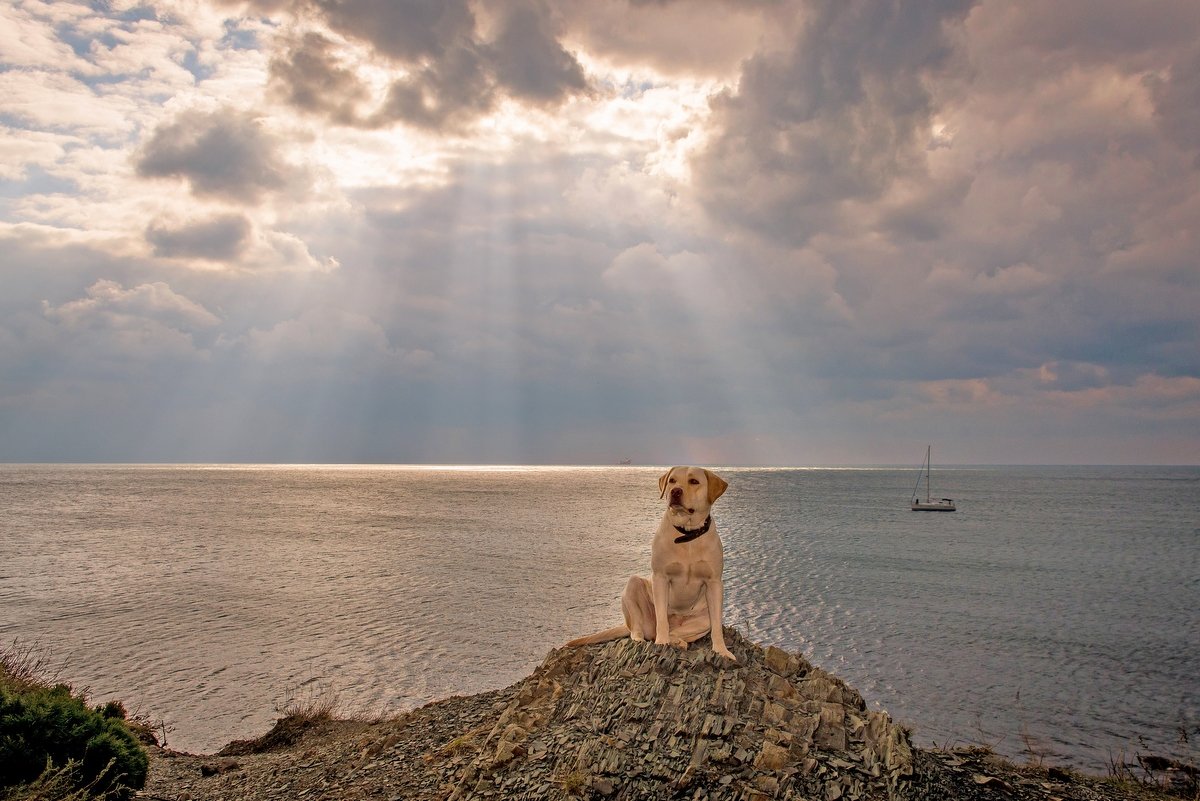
x=637, y=604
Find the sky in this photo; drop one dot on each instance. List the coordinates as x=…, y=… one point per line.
x=777, y=232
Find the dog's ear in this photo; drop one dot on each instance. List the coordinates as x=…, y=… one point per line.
x=662, y=483
x=716, y=486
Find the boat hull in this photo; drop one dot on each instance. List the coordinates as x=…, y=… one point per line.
x=945, y=505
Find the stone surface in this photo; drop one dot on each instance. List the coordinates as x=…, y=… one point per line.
x=651, y=722
x=623, y=720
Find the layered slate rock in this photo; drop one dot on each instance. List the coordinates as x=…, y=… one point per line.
x=628, y=720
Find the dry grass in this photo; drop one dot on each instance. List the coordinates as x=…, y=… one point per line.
x=309, y=704
x=55, y=784
x=573, y=782
x=303, y=708
x=458, y=745
x=1171, y=776
x=1035, y=751
x=25, y=667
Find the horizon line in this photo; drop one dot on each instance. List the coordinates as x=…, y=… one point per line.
x=585, y=465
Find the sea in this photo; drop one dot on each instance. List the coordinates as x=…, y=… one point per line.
x=1054, y=616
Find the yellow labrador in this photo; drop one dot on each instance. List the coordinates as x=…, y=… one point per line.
x=682, y=599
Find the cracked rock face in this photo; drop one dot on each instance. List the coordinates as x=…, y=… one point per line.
x=628, y=720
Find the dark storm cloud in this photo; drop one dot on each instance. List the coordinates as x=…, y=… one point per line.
x=1086, y=32
x=224, y=153
x=838, y=117
x=216, y=239
x=403, y=30
x=308, y=76
x=995, y=186
x=530, y=62
x=455, y=90
x=455, y=73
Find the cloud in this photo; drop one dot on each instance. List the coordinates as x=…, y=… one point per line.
x=333, y=342
x=226, y=154
x=840, y=116
x=449, y=94
x=978, y=180
x=234, y=242
x=706, y=38
x=309, y=75
x=284, y=252
x=1056, y=391
x=27, y=43
x=22, y=150
x=220, y=238
x=454, y=68
x=147, y=333
x=1072, y=376
x=108, y=304
x=54, y=100
x=321, y=334
x=531, y=63
x=669, y=285
x=1177, y=102
x=404, y=30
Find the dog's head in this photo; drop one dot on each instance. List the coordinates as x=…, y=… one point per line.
x=690, y=489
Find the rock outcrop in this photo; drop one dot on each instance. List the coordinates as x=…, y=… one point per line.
x=627, y=720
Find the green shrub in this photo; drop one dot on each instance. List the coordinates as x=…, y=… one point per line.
x=49, y=728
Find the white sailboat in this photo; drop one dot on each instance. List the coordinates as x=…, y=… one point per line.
x=929, y=505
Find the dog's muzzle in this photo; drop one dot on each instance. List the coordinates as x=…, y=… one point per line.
x=677, y=500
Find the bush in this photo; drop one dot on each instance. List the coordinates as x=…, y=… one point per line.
x=45, y=729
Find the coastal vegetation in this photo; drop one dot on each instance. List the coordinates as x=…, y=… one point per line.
x=54, y=745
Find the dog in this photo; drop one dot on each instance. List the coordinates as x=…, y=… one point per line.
x=682, y=599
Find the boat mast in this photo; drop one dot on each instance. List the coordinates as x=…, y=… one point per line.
x=928, y=468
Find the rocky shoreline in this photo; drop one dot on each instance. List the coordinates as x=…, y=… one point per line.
x=624, y=720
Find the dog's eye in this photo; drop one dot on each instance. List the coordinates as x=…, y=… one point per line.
x=670, y=481
x=693, y=481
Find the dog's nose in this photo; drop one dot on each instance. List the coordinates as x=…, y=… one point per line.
x=676, y=493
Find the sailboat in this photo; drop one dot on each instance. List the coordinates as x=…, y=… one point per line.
x=929, y=505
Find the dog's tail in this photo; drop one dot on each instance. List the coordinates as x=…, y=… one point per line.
x=615, y=633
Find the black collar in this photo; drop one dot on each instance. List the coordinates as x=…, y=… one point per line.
x=688, y=536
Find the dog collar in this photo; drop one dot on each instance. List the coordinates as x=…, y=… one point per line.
x=691, y=534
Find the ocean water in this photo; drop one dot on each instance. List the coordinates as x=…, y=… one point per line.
x=1058, y=610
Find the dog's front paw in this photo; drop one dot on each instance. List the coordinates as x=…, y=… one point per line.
x=725, y=653
x=636, y=636
x=662, y=641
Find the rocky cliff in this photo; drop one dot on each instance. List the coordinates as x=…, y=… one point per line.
x=631, y=720
x=627, y=720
